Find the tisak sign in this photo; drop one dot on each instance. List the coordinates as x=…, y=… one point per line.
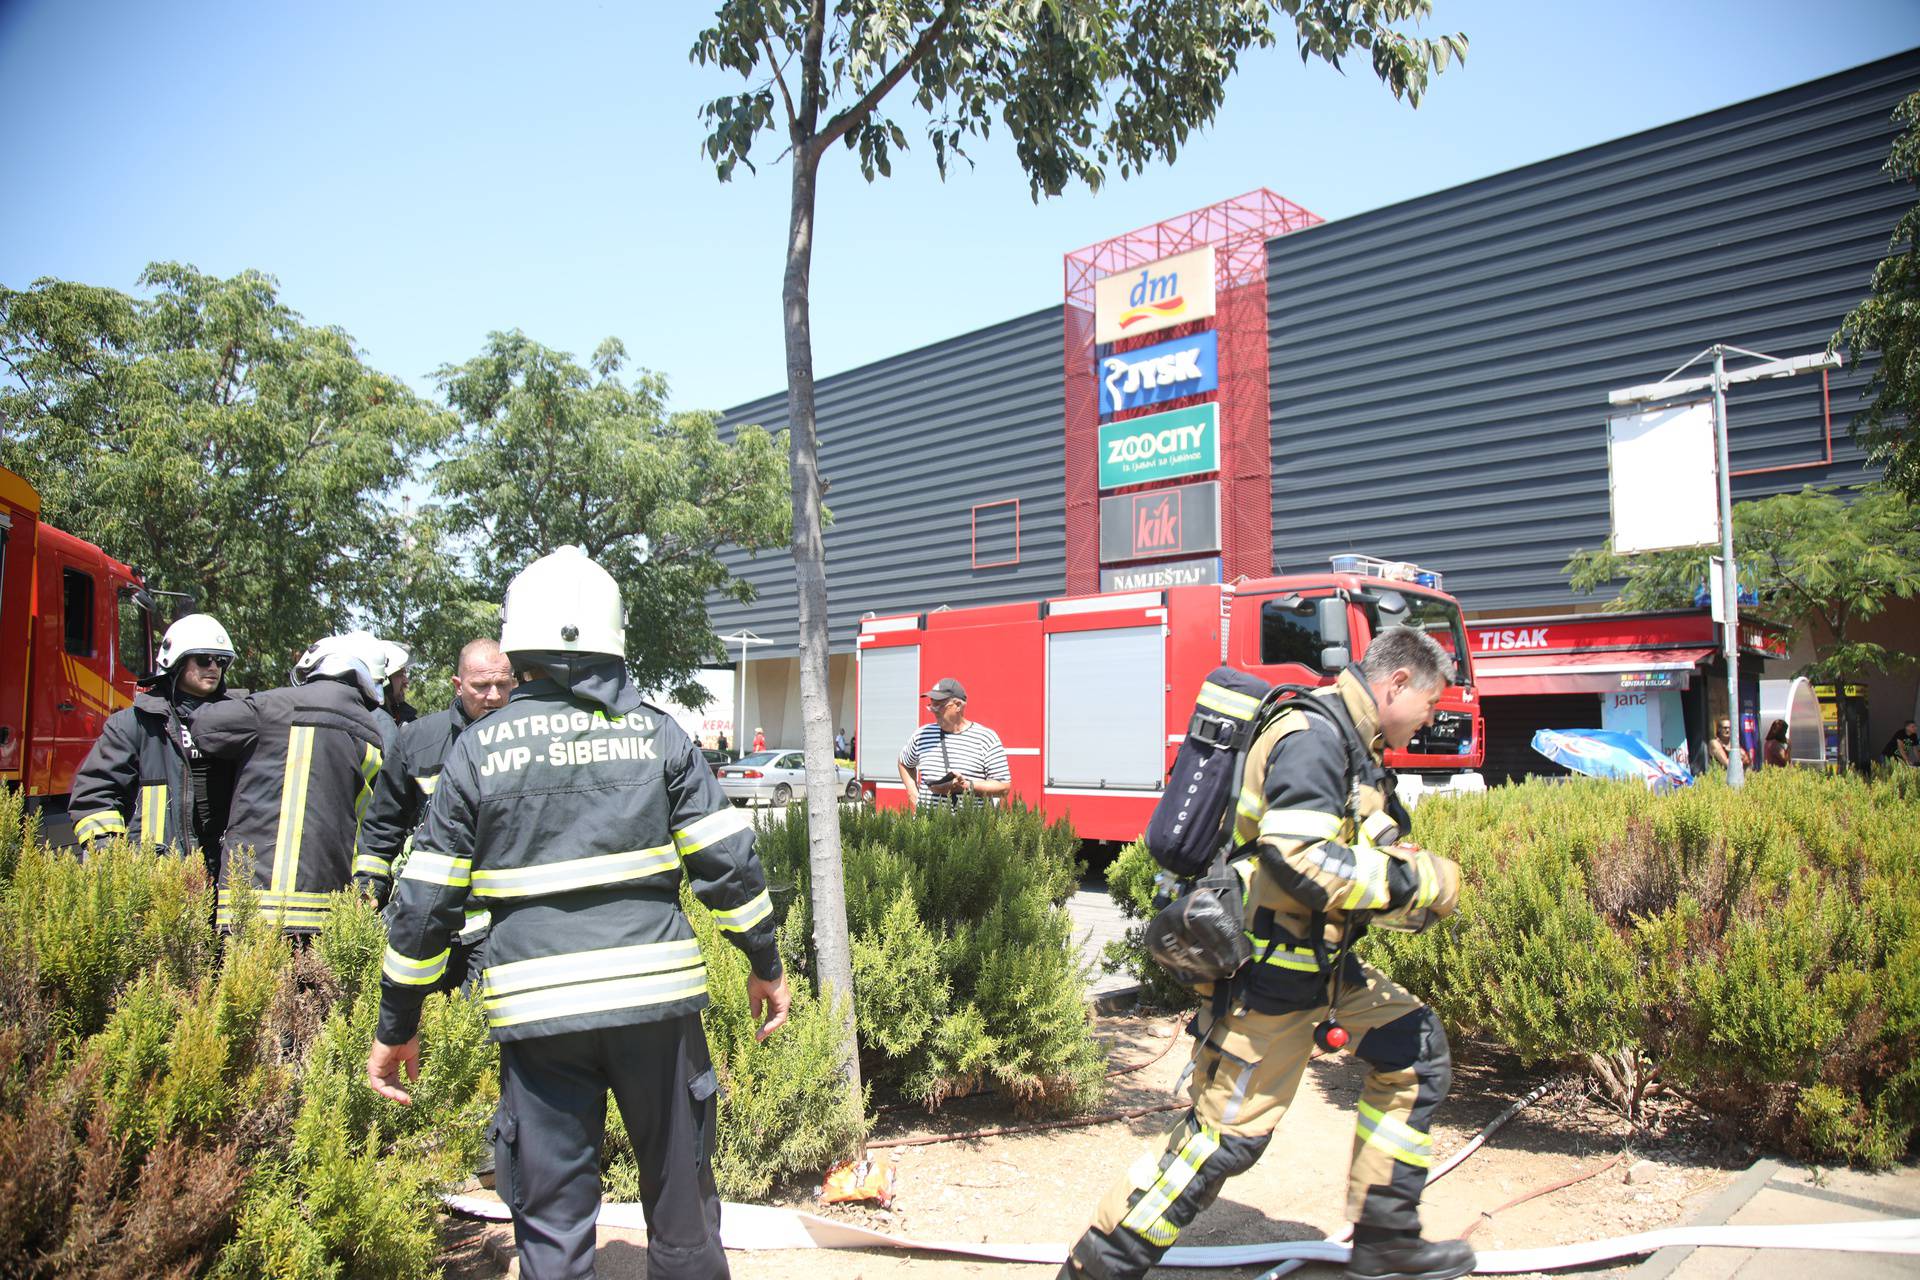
x=1154, y=297
x=1160, y=446
x=1180, y=521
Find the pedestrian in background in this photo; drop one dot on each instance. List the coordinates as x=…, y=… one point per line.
x=1774, y=750
x=1904, y=746
x=953, y=760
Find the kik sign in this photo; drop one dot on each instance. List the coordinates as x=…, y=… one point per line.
x=1154, y=297
x=1180, y=521
x=1164, y=371
x=1160, y=446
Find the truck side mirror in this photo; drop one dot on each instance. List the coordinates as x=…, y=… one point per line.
x=1331, y=614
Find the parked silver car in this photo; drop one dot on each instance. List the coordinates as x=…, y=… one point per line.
x=774, y=777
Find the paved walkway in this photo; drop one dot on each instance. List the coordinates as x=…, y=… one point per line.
x=1786, y=1192
x=1096, y=922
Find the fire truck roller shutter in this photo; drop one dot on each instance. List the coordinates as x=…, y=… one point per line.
x=889, y=708
x=1107, y=708
x=1511, y=722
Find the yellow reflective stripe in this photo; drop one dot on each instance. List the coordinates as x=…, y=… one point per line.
x=429, y=867
x=596, y=997
x=1299, y=824
x=1400, y=1140
x=106, y=822
x=1429, y=889
x=427, y=782
x=696, y=836
x=153, y=813
x=1147, y=1218
x=1299, y=959
x=1251, y=803
x=587, y=966
x=477, y=919
x=1369, y=891
x=369, y=767
x=367, y=864
x=293, y=807
x=575, y=873
x=414, y=973
x=1226, y=701
x=746, y=915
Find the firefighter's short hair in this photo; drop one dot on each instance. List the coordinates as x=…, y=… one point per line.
x=1430, y=665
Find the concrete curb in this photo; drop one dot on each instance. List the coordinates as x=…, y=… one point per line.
x=1723, y=1207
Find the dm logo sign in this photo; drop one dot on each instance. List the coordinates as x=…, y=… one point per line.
x=1160, y=446
x=1154, y=297
x=1165, y=371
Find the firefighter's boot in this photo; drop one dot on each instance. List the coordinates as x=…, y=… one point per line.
x=1397, y=1256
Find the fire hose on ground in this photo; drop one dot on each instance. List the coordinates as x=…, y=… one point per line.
x=750, y=1227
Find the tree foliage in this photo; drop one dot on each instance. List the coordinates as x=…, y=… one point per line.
x=1083, y=88
x=211, y=437
x=1888, y=322
x=1815, y=559
x=551, y=454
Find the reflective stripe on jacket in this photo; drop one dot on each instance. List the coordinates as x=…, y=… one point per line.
x=307, y=756
x=576, y=828
x=134, y=782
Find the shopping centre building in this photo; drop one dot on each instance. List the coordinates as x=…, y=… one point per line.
x=1425, y=382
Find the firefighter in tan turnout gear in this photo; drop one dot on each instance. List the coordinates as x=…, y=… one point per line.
x=1318, y=807
x=573, y=813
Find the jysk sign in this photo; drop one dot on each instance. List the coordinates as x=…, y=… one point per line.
x=1175, y=573
x=1181, y=521
x=1160, y=446
x=1154, y=297
x=1164, y=371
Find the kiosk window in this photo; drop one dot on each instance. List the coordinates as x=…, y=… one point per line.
x=77, y=599
x=1290, y=635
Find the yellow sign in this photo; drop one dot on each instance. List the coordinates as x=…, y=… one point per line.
x=1154, y=297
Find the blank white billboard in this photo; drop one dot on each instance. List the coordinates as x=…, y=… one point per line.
x=1663, y=477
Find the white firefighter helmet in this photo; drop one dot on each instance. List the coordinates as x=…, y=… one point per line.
x=397, y=657
x=563, y=603
x=192, y=633
x=356, y=655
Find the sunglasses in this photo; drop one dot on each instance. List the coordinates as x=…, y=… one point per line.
x=209, y=660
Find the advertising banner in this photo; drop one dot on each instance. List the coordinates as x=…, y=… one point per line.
x=1181, y=521
x=1174, y=573
x=1154, y=297
x=1664, y=477
x=1160, y=446
x=1165, y=371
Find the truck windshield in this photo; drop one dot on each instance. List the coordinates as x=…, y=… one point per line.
x=1439, y=618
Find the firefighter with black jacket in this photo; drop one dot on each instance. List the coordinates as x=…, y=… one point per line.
x=307, y=756
x=573, y=813
x=1317, y=804
x=146, y=777
x=482, y=679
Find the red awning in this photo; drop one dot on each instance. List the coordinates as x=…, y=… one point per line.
x=1589, y=671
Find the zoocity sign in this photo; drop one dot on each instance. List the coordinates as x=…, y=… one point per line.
x=1160, y=446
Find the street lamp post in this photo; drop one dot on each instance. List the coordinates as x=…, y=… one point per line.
x=743, y=638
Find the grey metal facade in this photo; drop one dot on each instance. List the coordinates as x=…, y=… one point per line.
x=1439, y=368
x=909, y=446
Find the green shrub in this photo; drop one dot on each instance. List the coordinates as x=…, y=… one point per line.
x=966, y=972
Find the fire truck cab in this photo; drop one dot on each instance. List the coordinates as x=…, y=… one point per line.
x=76, y=635
x=1091, y=694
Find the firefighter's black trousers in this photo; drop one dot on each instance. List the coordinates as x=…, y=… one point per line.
x=553, y=1112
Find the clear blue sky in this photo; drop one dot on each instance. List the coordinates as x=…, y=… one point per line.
x=421, y=173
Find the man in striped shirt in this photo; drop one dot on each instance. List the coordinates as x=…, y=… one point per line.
x=953, y=760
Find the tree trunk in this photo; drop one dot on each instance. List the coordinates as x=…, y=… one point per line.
x=830, y=942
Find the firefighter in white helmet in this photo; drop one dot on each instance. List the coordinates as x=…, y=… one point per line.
x=399, y=661
x=307, y=755
x=596, y=806
x=146, y=778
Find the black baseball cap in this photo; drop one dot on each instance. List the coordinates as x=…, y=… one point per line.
x=947, y=688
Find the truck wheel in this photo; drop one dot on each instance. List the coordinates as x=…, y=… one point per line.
x=782, y=793
x=853, y=790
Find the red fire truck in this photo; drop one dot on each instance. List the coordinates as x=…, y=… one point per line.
x=76, y=633
x=1091, y=694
